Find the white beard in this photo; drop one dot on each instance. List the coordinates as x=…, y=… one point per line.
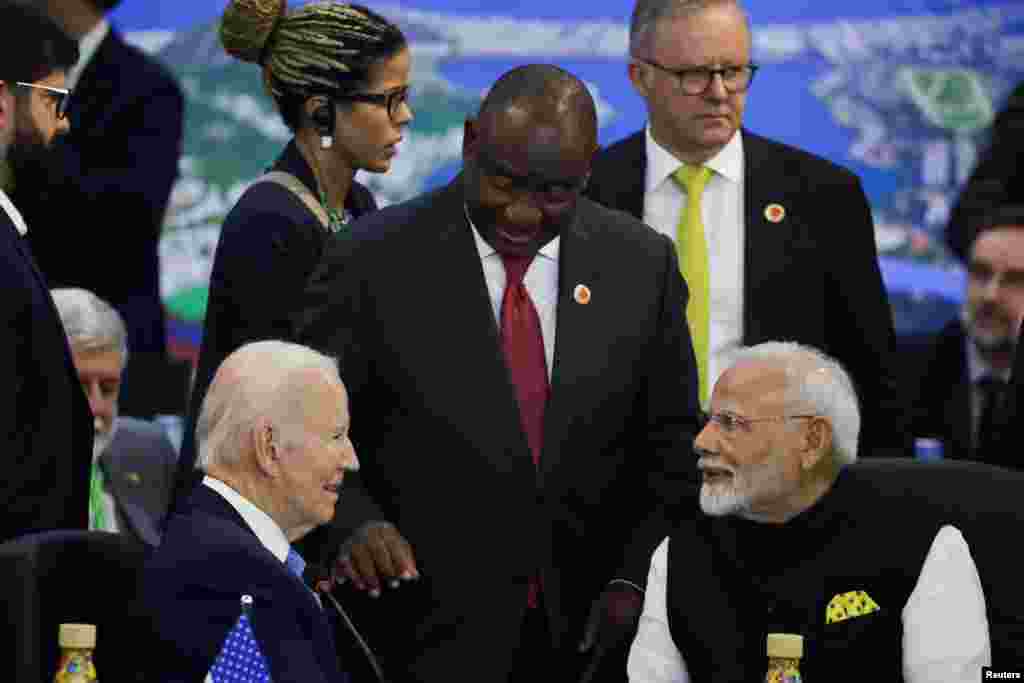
x=735, y=496
x=101, y=442
x=720, y=500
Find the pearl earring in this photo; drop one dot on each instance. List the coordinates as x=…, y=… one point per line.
x=326, y=141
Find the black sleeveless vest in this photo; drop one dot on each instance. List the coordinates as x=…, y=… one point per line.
x=732, y=581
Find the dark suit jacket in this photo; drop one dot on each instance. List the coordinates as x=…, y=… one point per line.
x=192, y=587
x=268, y=246
x=941, y=398
x=996, y=180
x=140, y=465
x=405, y=307
x=97, y=207
x=46, y=424
x=813, y=278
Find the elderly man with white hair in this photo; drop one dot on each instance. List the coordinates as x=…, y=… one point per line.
x=225, y=587
x=791, y=540
x=133, y=461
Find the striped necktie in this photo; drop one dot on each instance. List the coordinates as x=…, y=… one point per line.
x=692, y=248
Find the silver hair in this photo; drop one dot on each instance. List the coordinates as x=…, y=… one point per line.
x=818, y=384
x=264, y=383
x=648, y=13
x=90, y=323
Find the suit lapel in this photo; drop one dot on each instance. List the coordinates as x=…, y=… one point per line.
x=633, y=176
x=959, y=409
x=469, y=324
x=766, y=244
x=579, y=331
x=129, y=492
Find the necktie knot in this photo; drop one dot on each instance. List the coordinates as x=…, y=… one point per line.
x=515, y=268
x=692, y=179
x=296, y=565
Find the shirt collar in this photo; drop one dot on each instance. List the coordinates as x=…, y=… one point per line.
x=265, y=528
x=12, y=211
x=87, y=47
x=549, y=250
x=662, y=164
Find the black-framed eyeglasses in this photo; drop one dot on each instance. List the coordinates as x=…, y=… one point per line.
x=392, y=100
x=60, y=96
x=696, y=80
x=731, y=422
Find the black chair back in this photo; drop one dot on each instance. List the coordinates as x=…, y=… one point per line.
x=56, y=577
x=986, y=503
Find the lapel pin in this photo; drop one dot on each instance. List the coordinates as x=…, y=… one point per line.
x=775, y=213
x=133, y=477
x=581, y=294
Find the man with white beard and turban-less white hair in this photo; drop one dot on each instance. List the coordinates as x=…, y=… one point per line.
x=133, y=461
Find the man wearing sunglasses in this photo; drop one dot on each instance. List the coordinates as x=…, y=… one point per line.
x=754, y=221
x=46, y=426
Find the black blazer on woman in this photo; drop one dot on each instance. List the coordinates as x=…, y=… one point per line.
x=268, y=246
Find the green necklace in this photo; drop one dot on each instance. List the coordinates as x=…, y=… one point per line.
x=337, y=219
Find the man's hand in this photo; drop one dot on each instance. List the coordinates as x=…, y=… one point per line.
x=373, y=554
x=613, y=617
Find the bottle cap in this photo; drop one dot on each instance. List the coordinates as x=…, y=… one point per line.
x=77, y=635
x=787, y=645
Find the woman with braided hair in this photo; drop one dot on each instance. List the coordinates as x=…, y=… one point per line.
x=339, y=76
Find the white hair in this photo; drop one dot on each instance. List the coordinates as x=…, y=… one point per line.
x=90, y=323
x=817, y=384
x=260, y=380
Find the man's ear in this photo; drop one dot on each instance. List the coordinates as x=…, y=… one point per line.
x=817, y=442
x=266, y=443
x=638, y=77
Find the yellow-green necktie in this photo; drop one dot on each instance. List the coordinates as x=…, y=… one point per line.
x=692, y=248
x=97, y=512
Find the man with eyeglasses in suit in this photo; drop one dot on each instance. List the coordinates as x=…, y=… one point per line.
x=772, y=220
x=46, y=426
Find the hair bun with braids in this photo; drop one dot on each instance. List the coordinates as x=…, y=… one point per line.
x=247, y=26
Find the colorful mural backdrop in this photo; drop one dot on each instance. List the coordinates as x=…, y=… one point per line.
x=903, y=93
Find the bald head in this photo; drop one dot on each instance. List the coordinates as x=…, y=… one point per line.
x=545, y=94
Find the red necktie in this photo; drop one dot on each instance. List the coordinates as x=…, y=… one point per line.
x=523, y=344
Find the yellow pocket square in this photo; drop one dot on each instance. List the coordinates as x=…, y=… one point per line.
x=849, y=605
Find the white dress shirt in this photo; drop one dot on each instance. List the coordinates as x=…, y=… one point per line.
x=723, y=218
x=87, y=47
x=945, y=630
x=12, y=212
x=541, y=281
x=266, y=529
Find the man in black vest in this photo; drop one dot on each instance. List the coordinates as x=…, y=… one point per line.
x=793, y=541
